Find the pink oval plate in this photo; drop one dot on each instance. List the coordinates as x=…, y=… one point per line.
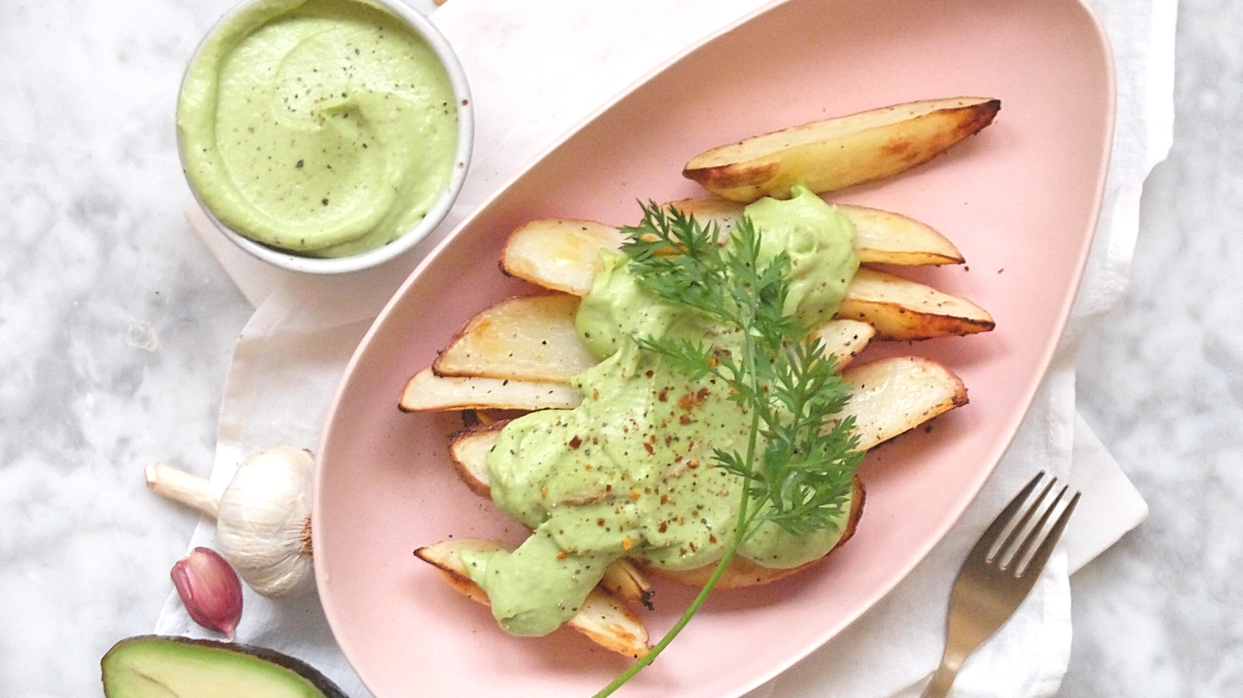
x=1020, y=200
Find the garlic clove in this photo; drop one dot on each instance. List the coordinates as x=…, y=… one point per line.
x=210, y=590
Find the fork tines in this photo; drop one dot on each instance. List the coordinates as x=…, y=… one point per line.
x=1040, y=532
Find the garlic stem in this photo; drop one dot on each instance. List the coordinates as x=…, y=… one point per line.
x=184, y=488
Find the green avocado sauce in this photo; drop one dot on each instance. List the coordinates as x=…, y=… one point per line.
x=321, y=127
x=629, y=473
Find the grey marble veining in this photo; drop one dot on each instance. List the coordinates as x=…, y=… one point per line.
x=116, y=327
x=115, y=331
x=1161, y=382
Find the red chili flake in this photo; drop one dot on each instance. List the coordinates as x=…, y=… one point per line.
x=664, y=525
x=684, y=419
x=599, y=522
x=663, y=395
x=649, y=448
x=576, y=442
x=711, y=539
x=634, y=495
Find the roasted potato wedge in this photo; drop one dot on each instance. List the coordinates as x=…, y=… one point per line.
x=470, y=449
x=602, y=618
x=428, y=392
x=625, y=581
x=563, y=254
x=844, y=339
x=887, y=397
x=531, y=339
x=742, y=572
x=892, y=396
x=901, y=309
x=837, y=153
x=881, y=237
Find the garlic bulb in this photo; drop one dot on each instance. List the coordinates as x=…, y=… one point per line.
x=264, y=522
x=263, y=516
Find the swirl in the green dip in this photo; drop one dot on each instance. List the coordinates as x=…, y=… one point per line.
x=630, y=473
x=323, y=127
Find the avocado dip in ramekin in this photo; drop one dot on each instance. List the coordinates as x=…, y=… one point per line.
x=323, y=128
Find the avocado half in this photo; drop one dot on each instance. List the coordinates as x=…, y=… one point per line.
x=155, y=666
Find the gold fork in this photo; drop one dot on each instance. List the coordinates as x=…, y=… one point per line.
x=992, y=582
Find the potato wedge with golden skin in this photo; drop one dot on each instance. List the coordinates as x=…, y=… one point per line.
x=899, y=309
x=625, y=578
x=469, y=451
x=885, y=237
x=893, y=396
x=742, y=572
x=903, y=310
x=844, y=339
x=625, y=581
x=563, y=254
x=428, y=392
x=531, y=338
x=887, y=398
x=837, y=153
x=881, y=237
x=602, y=618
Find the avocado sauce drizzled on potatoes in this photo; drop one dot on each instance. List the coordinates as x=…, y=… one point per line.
x=635, y=470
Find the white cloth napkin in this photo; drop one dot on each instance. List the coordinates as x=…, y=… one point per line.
x=291, y=354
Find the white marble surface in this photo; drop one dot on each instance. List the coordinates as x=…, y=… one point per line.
x=1161, y=381
x=116, y=326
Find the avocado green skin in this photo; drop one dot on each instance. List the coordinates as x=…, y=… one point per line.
x=210, y=648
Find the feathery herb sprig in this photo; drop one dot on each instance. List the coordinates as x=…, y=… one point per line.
x=799, y=462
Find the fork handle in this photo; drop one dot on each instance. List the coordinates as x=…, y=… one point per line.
x=941, y=681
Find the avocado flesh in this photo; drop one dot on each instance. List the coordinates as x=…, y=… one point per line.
x=170, y=667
